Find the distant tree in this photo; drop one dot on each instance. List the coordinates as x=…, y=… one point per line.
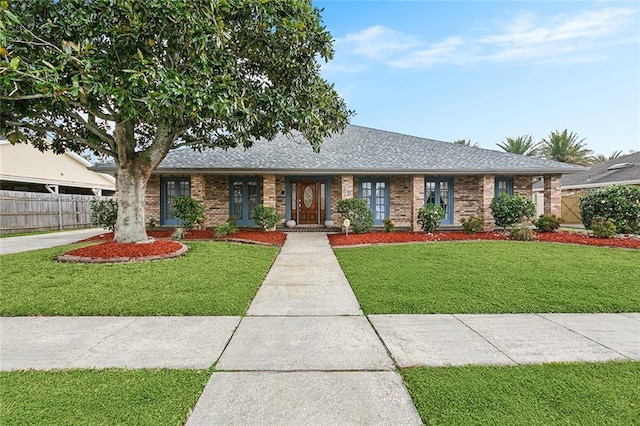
x=522, y=145
x=565, y=147
x=599, y=158
x=464, y=142
x=133, y=80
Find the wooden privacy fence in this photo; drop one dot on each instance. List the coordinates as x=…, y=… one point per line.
x=571, y=208
x=36, y=211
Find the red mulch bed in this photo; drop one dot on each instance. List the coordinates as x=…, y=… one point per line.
x=124, y=252
x=338, y=240
x=161, y=248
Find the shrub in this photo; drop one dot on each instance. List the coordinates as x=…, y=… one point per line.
x=358, y=212
x=226, y=228
x=507, y=210
x=522, y=233
x=188, y=211
x=104, y=213
x=472, y=224
x=603, y=227
x=151, y=225
x=548, y=222
x=620, y=203
x=265, y=216
x=389, y=225
x=429, y=217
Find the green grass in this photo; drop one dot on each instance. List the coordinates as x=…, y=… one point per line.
x=213, y=278
x=492, y=277
x=566, y=394
x=105, y=397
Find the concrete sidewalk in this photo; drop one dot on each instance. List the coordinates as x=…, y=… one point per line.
x=305, y=354
x=38, y=241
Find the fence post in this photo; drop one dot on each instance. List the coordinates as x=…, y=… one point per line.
x=54, y=190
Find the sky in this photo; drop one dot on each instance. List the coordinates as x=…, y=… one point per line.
x=486, y=71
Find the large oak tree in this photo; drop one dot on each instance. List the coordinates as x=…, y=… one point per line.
x=135, y=79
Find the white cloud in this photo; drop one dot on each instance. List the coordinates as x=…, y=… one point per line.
x=377, y=42
x=525, y=39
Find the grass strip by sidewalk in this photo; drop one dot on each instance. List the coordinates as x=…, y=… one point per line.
x=568, y=394
x=213, y=278
x=99, y=397
x=492, y=277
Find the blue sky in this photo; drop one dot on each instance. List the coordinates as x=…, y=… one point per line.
x=485, y=71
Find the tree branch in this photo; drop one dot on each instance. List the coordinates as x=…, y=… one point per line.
x=93, y=128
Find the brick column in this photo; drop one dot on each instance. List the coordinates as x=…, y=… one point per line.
x=487, y=192
x=199, y=193
x=198, y=188
x=269, y=195
x=417, y=185
x=347, y=186
x=553, y=194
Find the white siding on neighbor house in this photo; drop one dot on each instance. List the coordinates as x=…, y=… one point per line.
x=24, y=163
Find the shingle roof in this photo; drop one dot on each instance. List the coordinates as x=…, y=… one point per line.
x=359, y=150
x=625, y=169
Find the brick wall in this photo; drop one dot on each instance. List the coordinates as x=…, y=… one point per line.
x=467, y=199
x=269, y=195
x=216, y=201
x=152, y=200
x=401, y=200
x=553, y=194
x=417, y=187
x=472, y=196
x=486, y=191
x=336, y=195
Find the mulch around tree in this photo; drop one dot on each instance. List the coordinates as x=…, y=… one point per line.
x=160, y=248
x=110, y=252
x=342, y=240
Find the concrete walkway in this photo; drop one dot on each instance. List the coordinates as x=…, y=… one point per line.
x=38, y=241
x=305, y=354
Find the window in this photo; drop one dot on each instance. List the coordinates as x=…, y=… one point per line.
x=439, y=191
x=376, y=192
x=169, y=189
x=244, y=196
x=504, y=185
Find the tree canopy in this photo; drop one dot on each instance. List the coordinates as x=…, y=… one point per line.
x=522, y=145
x=566, y=147
x=133, y=80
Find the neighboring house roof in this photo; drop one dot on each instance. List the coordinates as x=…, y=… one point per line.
x=359, y=150
x=24, y=163
x=621, y=170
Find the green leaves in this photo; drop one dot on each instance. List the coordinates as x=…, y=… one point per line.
x=509, y=210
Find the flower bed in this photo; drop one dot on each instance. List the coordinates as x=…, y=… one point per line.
x=109, y=251
x=124, y=252
x=339, y=240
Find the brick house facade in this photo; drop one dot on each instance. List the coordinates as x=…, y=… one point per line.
x=397, y=174
x=472, y=195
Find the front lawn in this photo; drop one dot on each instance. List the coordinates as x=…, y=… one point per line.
x=104, y=397
x=569, y=394
x=213, y=278
x=492, y=277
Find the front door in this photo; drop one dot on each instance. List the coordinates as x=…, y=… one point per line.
x=308, y=203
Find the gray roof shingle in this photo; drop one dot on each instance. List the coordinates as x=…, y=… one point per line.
x=359, y=150
x=600, y=174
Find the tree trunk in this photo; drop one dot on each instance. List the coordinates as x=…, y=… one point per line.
x=131, y=185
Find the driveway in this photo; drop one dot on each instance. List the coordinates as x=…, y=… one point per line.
x=39, y=241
